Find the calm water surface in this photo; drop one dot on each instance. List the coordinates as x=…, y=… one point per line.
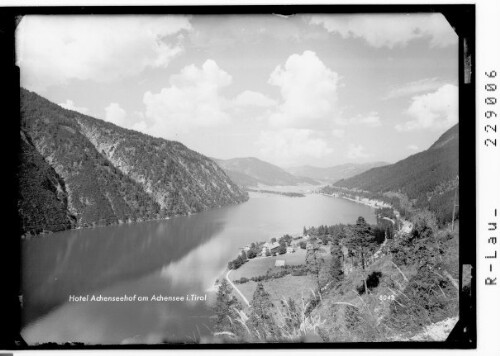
x=176, y=257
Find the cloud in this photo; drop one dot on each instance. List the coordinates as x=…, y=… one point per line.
x=356, y=151
x=115, y=114
x=192, y=100
x=289, y=146
x=434, y=111
x=412, y=147
x=70, y=105
x=412, y=88
x=52, y=50
x=372, y=119
x=390, y=30
x=308, y=89
x=338, y=133
x=252, y=98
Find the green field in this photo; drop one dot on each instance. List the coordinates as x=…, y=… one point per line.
x=294, y=287
x=259, y=266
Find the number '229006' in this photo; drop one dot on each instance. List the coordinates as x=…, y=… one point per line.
x=491, y=99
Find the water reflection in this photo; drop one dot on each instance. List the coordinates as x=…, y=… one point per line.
x=74, y=262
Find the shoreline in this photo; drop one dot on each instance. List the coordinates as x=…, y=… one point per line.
x=364, y=201
x=44, y=234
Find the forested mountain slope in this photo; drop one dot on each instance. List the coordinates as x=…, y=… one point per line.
x=111, y=174
x=428, y=178
x=250, y=171
x=43, y=201
x=334, y=173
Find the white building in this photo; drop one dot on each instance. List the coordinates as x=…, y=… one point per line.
x=280, y=263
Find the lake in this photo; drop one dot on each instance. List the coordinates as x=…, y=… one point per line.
x=171, y=258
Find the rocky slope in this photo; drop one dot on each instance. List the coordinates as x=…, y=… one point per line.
x=108, y=174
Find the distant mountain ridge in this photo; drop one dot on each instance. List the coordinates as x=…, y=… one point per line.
x=334, y=173
x=90, y=172
x=428, y=178
x=251, y=171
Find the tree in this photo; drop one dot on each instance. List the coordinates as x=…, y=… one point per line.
x=424, y=225
x=359, y=241
x=324, y=239
x=303, y=245
x=273, y=240
x=287, y=239
x=244, y=255
x=314, y=262
x=261, y=318
x=226, y=306
x=282, y=248
x=252, y=253
x=336, y=270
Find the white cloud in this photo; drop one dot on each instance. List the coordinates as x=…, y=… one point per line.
x=435, y=111
x=53, y=50
x=308, y=89
x=415, y=87
x=390, y=30
x=338, y=133
x=191, y=101
x=70, y=105
x=356, y=151
x=252, y=98
x=115, y=114
x=412, y=147
x=372, y=119
x=289, y=146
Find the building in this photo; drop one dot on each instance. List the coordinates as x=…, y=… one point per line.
x=280, y=263
x=270, y=247
x=290, y=249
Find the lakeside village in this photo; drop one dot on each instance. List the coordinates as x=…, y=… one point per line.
x=298, y=244
x=346, y=282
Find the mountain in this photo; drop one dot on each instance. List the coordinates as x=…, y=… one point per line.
x=250, y=171
x=77, y=171
x=428, y=178
x=335, y=173
x=43, y=201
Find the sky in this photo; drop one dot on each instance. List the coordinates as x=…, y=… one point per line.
x=308, y=89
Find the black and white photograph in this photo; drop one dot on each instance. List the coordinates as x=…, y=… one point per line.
x=242, y=178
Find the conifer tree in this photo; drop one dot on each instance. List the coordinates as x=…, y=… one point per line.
x=314, y=262
x=336, y=270
x=226, y=306
x=359, y=241
x=261, y=319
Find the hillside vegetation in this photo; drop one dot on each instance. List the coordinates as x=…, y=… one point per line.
x=335, y=173
x=355, y=283
x=428, y=179
x=101, y=174
x=250, y=172
x=43, y=202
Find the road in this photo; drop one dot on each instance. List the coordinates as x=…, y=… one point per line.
x=236, y=288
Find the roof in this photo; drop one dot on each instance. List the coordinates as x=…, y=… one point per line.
x=271, y=245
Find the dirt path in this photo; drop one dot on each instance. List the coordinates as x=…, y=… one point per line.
x=236, y=288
